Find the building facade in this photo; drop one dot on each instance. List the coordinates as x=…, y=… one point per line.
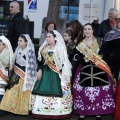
x=85, y=11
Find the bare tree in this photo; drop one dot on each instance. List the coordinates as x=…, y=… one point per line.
x=53, y=10
x=53, y=15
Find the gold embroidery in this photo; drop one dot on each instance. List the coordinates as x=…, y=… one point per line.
x=49, y=60
x=91, y=54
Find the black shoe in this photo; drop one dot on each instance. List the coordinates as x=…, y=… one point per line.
x=98, y=118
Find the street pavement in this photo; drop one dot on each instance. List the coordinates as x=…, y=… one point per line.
x=74, y=117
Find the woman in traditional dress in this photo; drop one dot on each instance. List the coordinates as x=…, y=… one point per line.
x=6, y=56
x=93, y=85
x=17, y=96
x=53, y=99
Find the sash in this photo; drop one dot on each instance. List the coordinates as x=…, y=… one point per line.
x=19, y=72
x=53, y=67
x=47, y=61
x=94, y=57
x=3, y=76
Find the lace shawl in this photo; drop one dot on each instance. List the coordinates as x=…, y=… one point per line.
x=61, y=58
x=30, y=67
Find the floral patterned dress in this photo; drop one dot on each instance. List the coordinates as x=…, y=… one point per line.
x=93, y=86
x=52, y=97
x=16, y=100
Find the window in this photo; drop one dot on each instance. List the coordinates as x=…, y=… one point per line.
x=69, y=10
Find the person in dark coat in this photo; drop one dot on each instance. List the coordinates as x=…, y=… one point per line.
x=95, y=25
x=112, y=50
x=105, y=27
x=108, y=24
x=17, y=26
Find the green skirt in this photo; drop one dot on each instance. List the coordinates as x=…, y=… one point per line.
x=49, y=84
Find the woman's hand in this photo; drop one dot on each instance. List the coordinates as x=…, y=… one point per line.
x=39, y=74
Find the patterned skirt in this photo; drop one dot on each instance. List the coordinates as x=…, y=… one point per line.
x=52, y=98
x=90, y=100
x=15, y=100
x=53, y=107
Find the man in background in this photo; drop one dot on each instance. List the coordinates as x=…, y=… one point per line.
x=17, y=26
x=108, y=24
x=105, y=27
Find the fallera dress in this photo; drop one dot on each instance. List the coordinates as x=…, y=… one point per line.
x=52, y=97
x=93, y=86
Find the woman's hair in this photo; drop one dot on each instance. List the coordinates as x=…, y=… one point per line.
x=51, y=32
x=48, y=23
x=69, y=32
x=90, y=25
x=77, y=29
x=2, y=42
x=22, y=36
